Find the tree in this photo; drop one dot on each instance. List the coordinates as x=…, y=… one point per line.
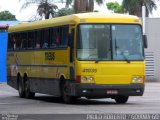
x=65, y=11
x=134, y=7
x=6, y=15
x=83, y=5
x=45, y=7
x=115, y=7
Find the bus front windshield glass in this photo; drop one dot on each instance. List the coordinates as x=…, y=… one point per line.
x=109, y=42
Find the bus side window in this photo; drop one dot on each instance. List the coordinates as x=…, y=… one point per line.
x=24, y=43
x=14, y=41
x=57, y=35
x=45, y=40
x=53, y=38
x=64, y=36
x=17, y=41
x=10, y=42
x=38, y=40
x=31, y=40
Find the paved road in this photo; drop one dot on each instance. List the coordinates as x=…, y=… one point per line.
x=10, y=103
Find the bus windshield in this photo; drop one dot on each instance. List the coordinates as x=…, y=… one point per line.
x=109, y=42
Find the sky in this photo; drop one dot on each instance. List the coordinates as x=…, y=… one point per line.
x=14, y=6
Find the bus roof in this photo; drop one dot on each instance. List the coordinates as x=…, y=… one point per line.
x=94, y=17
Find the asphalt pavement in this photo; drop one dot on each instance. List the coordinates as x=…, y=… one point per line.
x=49, y=107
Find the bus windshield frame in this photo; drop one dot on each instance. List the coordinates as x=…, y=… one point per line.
x=109, y=42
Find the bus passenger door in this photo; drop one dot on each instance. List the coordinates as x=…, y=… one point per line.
x=71, y=44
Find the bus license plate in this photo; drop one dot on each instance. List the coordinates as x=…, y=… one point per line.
x=112, y=92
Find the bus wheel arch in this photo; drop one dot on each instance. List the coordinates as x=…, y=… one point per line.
x=64, y=87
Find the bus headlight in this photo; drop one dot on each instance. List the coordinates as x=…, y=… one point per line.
x=87, y=79
x=140, y=79
x=91, y=79
x=84, y=79
x=134, y=79
x=137, y=79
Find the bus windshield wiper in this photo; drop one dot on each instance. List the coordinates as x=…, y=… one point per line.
x=126, y=59
x=97, y=61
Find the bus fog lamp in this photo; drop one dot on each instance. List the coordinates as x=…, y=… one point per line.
x=84, y=91
x=138, y=91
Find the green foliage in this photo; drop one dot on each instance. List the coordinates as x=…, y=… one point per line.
x=134, y=7
x=99, y=2
x=45, y=7
x=6, y=15
x=65, y=11
x=115, y=7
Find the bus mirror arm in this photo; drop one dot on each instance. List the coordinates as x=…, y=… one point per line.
x=145, y=42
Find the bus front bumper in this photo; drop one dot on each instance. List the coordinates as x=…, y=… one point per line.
x=104, y=91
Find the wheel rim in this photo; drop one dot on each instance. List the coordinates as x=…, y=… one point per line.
x=27, y=88
x=65, y=91
x=20, y=88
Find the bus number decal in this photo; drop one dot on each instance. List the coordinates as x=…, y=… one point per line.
x=90, y=70
x=49, y=55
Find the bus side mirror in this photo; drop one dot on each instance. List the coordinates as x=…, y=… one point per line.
x=145, y=42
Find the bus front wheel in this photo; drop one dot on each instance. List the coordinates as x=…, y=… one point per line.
x=121, y=99
x=28, y=93
x=67, y=98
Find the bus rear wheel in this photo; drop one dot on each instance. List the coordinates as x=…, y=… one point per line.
x=28, y=93
x=21, y=87
x=121, y=99
x=67, y=98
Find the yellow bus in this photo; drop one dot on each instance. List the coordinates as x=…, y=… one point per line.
x=90, y=55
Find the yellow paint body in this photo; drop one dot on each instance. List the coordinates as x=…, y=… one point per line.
x=111, y=72
x=33, y=62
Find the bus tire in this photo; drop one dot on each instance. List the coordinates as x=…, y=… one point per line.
x=65, y=97
x=21, y=87
x=28, y=93
x=121, y=99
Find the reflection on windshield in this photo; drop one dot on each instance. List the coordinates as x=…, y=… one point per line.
x=98, y=41
x=127, y=42
x=94, y=42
